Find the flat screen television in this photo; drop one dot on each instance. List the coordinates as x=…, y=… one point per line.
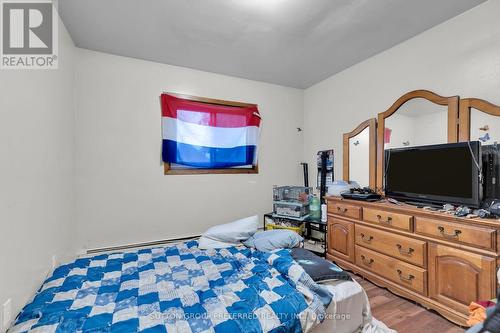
x=438, y=174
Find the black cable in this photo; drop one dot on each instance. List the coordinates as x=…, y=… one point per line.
x=388, y=159
x=476, y=163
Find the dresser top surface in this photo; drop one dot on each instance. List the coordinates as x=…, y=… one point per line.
x=412, y=210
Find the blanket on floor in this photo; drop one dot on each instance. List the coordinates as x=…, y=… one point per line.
x=178, y=289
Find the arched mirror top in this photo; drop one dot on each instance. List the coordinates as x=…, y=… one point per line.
x=361, y=127
x=481, y=105
x=425, y=94
x=359, y=154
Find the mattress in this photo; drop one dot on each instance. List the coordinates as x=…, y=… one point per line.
x=349, y=310
x=179, y=288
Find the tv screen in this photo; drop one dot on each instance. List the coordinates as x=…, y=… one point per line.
x=436, y=174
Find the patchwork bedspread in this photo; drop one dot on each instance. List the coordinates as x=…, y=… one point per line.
x=178, y=289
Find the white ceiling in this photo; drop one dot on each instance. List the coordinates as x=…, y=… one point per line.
x=295, y=43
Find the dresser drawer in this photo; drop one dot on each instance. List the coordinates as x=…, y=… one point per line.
x=455, y=232
x=408, y=276
x=401, y=247
x=388, y=219
x=343, y=209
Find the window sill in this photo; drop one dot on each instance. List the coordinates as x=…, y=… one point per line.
x=169, y=171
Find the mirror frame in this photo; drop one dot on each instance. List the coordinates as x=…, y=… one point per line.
x=466, y=105
x=371, y=124
x=453, y=112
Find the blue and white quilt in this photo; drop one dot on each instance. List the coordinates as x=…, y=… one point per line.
x=178, y=289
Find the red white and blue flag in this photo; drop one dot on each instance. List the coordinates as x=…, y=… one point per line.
x=204, y=135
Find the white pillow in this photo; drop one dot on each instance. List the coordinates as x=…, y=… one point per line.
x=205, y=243
x=229, y=234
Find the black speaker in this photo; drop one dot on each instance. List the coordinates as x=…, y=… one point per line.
x=491, y=171
x=493, y=206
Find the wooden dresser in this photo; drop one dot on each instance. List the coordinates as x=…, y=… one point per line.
x=438, y=260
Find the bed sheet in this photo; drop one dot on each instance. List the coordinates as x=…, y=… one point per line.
x=349, y=311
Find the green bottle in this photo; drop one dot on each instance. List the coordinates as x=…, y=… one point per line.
x=315, y=208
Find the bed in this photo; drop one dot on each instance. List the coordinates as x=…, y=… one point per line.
x=181, y=288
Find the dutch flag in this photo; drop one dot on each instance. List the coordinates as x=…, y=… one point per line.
x=204, y=135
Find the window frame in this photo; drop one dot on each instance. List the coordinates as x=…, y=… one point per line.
x=167, y=167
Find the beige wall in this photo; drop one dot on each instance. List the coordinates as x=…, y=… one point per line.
x=36, y=173
x=460, y=56
x=122, y=195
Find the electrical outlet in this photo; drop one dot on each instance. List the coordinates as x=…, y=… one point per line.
x=6, y=313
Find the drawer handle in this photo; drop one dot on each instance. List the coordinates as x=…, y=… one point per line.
x=366, y=239
x=408, y=278
x=366, y=262
x=446, y=235
x=404, y=252
x=341, y=210
x=388, y=221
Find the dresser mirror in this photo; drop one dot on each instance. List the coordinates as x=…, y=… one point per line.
x=479, y=121
x=417, y=118
x=359, y=155
x=484, y=127
x=418, y=122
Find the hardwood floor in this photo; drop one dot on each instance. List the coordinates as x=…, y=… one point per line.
x=403, y=315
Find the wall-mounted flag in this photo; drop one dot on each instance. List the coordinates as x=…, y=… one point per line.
x=205, y=135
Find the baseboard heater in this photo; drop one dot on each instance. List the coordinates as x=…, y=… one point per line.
x=139, y=245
